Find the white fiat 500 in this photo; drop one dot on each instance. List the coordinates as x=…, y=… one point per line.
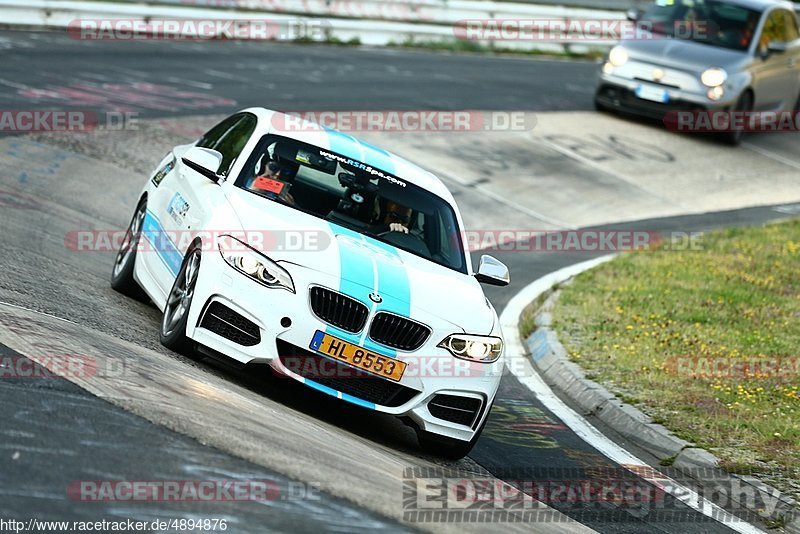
x=337, y=263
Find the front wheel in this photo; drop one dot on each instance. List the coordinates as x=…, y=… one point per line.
x=179, y=300
x=744, y=105
x=122, y=274
x=599, y=106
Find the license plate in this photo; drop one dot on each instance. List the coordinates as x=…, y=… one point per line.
x=357, y=356
x=655, y=94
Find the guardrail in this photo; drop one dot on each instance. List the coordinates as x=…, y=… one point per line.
x=433, y=21
x=445, y=12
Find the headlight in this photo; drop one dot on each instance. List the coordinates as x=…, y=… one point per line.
x=618, y=56
x=484, y=349
x=713, y=77
x=253, y=264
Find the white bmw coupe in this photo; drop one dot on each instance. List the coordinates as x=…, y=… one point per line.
x=337, y=263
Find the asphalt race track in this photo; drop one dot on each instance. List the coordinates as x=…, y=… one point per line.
x=217, y=421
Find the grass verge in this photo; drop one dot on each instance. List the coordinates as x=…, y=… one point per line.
x=707, y=342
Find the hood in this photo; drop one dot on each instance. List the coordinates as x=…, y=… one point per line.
x=683, y=54
x=357, y=265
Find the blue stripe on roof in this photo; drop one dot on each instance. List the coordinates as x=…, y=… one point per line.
x=345, y=145
x=378, y=157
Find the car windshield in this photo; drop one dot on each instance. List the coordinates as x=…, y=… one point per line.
x=357, y=196
x=705, y=21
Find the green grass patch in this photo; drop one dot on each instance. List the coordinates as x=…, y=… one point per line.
x=707, y=342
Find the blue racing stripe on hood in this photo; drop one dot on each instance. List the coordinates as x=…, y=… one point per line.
x=358, y=269
x=357, y=272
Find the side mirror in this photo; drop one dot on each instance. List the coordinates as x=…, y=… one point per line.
x=205, y=161
x=633, y=14
x=492, y=271
x=776, y=47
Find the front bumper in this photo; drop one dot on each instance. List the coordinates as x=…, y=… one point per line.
x=618, y=93
x=275, y=327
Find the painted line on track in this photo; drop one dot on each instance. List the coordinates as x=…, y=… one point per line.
x=598, y=167
x=509, y=321
x=772, y=155
x=504, y=200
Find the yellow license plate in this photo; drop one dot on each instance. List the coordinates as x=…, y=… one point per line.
x=357, y=356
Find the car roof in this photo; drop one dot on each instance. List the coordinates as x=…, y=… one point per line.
x=351, y=147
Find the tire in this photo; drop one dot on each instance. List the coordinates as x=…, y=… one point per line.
x=122, y=273
x=598, y=106
x=744, y=104
x=172, y=332
x=452, y=449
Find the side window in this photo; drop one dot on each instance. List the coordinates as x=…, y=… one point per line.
x=774, y=29
x=212, y=137
x=233, y=141
x=792, y=32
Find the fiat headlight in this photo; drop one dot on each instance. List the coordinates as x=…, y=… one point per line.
x=484, y=349
x=713, y=77
x=253, y=264
x=618, y=56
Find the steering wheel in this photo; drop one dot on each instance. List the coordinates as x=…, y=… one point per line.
x=412, y=242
